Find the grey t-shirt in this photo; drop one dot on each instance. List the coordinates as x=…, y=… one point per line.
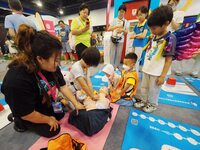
x=64, y=33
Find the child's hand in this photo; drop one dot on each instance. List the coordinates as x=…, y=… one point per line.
x=196, y=53
x=133, y=36
x=90, y=105
x=160, y=80
x=78, y=106
x=64, y=102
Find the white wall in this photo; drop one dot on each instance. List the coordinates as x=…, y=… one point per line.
x=98, y=16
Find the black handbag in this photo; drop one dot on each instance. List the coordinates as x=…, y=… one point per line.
x=116, y=39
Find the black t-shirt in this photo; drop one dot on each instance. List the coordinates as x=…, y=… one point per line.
x=23, y=93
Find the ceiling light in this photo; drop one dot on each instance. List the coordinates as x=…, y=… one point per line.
x=39, y=4
x=61, y=11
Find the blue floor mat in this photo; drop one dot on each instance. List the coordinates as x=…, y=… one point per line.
x=195, y=82
x=180, y=95
x=3, y=102
x=150, y=132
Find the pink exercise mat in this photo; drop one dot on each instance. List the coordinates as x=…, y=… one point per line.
x=96, y=141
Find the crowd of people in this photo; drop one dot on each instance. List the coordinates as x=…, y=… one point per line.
x=34, y=79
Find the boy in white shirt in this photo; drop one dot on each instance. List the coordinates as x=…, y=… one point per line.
x=158, y=59
x=80, y=73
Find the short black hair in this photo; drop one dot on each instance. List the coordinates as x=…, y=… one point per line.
x=132, y=56
x=84, y=6
x=91, y=56
x=160, y=16
x=143, y=9
x=61, y=21
x=15, y=4
x=175, y=0
x=122, y=7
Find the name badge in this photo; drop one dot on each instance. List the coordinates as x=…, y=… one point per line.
x=57, y=107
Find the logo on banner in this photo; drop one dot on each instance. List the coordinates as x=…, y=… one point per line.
x=134, y=11
x=49, y=25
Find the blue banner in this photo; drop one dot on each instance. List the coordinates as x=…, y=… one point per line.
x=195, y=82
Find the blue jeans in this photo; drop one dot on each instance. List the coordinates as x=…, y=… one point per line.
x=124, y=102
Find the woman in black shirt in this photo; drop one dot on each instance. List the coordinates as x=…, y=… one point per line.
x=31, y=82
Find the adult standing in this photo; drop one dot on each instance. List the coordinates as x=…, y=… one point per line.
x=13, y=21
x=118, y=27
x=64, y=35
x=178, y=17
x=81, y=28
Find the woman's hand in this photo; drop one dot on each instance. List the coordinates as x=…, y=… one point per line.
x=115, y=27
x=53, y=123
x=132, y=36
x=78, y=106
x=64, y=102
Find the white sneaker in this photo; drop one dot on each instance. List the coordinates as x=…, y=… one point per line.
x=178, y=73
x=149, y=108
x=194, y=75
x=139, y=104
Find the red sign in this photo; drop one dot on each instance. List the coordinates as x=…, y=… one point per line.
x=132, y=8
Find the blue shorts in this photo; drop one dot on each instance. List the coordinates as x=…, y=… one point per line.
x=66, y=47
